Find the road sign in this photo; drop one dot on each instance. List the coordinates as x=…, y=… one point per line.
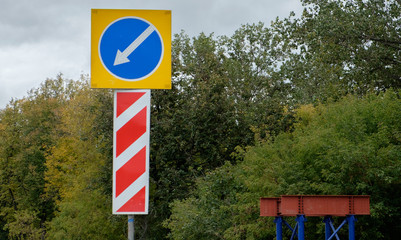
x=131, y=151
x=131, y=49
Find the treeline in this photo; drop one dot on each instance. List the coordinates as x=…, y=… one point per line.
x=308, y=105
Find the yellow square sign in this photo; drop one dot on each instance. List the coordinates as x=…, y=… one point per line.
x=131, y=49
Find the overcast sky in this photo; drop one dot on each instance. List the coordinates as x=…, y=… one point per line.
x=41, y=38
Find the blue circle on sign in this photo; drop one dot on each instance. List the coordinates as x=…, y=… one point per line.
x=131, y=48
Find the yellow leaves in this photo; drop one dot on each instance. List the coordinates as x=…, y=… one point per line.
x=60, y=163
x=2, y=127
x=72, y=164
x=75, y=158
x=75, y=117
x=305, y=114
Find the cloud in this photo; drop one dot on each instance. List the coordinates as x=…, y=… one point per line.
x=27, y=65
x=42, y=38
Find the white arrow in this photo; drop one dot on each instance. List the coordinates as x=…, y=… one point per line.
x=122, y=57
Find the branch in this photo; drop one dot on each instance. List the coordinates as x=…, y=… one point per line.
x=13, y=199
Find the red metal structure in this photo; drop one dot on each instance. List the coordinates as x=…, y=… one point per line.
x=325, y=206
x=315, y=205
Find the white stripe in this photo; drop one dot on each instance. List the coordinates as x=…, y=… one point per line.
x=130, y=112
x=131, y=151
x=129, y=192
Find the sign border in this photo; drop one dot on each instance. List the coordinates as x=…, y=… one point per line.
x=146, y=97
x=100, y=75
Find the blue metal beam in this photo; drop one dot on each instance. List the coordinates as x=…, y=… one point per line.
x=279, y=228
x=330, y=230
x=301, y=226
x=351, y=219
x=327, y=231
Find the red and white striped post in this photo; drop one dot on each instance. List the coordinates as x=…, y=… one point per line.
x=131, y=152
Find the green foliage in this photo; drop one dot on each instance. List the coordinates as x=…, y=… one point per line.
x=55, y=156
x=228, y=93
x=208, y=213
x=25, y=226
x=348, y=147
x=340, y=47
x=25, y=139
x=220, y=98
x=79, y=170
x=57, y=142
x=86, y=215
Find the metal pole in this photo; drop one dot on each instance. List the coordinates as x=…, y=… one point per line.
x=327, y=221
x=294, y=231
x=301, y=226
x=351, y=226
x=131, y=227
x=279, y=228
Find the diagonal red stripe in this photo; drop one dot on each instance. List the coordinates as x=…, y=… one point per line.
x=136, y=203
x=126, y=99
x=130, y=132
x=131, y=171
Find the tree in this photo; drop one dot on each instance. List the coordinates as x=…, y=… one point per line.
x=228, y=93
x=26, y=137
x=79, y=169
x=56, y=158
x=221, y=97
x=352, y=146
x=341, y=47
